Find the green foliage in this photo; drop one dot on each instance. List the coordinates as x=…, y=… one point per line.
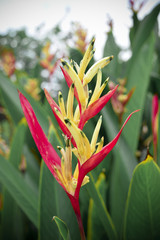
x=120, y=202
x=142, y=211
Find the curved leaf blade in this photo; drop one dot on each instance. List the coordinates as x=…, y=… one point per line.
x=63, y=229
x=142, y=212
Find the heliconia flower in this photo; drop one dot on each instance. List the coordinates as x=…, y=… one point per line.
x=46, y=62
x=8, y=62
x=71, y=121
x=120, y=98
x=81, y=35
x=155, y=111
x=32, y=88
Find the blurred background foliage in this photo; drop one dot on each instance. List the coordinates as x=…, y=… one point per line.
x=29, y=195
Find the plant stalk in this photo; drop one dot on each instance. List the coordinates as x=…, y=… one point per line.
x=76, y=208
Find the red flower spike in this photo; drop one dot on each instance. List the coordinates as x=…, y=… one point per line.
x=95, y=108
x=155, y=109
x=45, y=148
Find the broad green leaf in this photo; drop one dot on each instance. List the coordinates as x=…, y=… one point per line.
x=134, y=28
x=124, y=163
x=124, y=152
x=104, y=215
x=142, y=212
x=143, y=33
x=111, y=48
x=62, y=228
x=139, y=77
x=95, y=229
x=19, y=190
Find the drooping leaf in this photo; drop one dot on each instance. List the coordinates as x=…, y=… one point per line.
x=142, y=211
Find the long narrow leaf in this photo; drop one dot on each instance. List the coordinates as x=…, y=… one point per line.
x=19, y=190
x=10, y=208
x=104, y=215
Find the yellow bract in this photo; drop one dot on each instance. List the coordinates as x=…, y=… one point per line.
x=83, y=149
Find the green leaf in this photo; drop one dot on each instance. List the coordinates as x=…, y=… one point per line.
x=143, y=33
x=10, y=97
x=124, y=163
x=32, y=172
x=104, y=215
x=139, y=77
x=95, y=229
x=111, y=48
x=134, y=28
x=10, y=207
x=19, y=190
x=12, y=219
x=142, y=212
x=48, y=205
x=17, y=144
x=62, y=228
x=75, y=54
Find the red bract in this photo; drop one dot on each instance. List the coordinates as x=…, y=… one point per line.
x=45, y=148
x=155, y=109
x=95, y=108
